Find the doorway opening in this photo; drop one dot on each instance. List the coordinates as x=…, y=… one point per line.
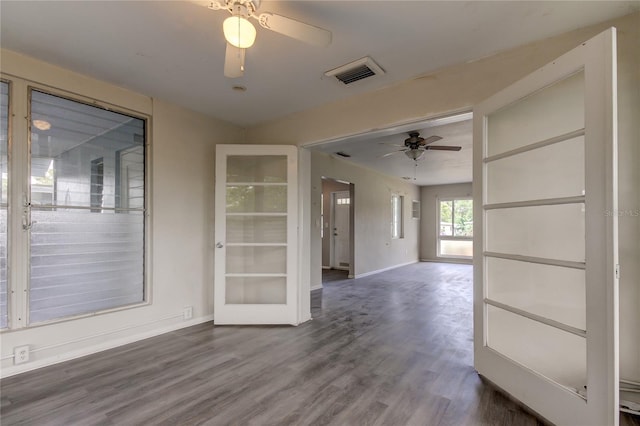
x=337, y=218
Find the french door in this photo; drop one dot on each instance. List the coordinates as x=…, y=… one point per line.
x=545, y=250
x=256, y=252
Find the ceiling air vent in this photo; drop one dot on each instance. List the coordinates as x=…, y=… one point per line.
x=356, y=71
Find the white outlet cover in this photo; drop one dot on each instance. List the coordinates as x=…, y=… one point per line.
x=21, y=354
x=187, y=312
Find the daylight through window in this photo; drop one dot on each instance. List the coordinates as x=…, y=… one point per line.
x=455, y=228
x=397, y=217
x=87, y=208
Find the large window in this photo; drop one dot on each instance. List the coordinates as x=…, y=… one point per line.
x=87, y=213
x=455, y=228
x=4, y=187
x=397, y=225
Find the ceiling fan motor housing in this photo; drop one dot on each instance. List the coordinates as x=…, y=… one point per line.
x=414, y=139
x=248, y=7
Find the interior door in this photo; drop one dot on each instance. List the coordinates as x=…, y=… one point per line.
x=256, y=235
x=545, y=253
x=341, y=205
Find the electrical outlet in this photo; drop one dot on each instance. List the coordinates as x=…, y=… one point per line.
x=187, y=312
x=21, y=354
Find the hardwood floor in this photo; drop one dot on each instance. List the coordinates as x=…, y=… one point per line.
x=331, y=275
x=390, y=349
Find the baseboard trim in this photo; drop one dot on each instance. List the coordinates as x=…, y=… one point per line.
x=13, y=370
x=317, y=287
x=326, y=267
x=448, y=260
x=366, y=274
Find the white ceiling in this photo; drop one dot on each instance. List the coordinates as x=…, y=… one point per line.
x=434, y=168
x=175, y=50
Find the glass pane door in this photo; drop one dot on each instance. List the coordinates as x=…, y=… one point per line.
x=255, y=234
x=256, y=192
x=547, y=251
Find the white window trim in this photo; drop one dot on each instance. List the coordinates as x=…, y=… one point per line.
x=440, y=238
x=400, y=234
x=18, y=268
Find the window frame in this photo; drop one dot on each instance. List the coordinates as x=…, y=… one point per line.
x=18, y=277
x=397, y=227
x=452, y=237
x=9, y=233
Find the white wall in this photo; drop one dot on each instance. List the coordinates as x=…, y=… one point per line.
x=182, y=224
x=429, y=196
x=374, y=249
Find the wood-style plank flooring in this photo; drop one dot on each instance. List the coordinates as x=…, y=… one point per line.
x=390, y=349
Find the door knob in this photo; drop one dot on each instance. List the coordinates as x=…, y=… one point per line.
x=219, y=245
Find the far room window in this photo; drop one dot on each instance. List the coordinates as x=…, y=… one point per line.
x=87, y=191
x=396, y=216
x=321, y=215
x=455, y=228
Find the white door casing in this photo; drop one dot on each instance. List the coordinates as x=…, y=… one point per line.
x=256, y=226
x=545, y=249
x=340, y=235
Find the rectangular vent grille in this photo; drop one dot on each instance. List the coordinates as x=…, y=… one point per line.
x=355, y=74
x=355, y=71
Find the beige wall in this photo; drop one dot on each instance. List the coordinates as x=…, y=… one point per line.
x=629, y=194
x=374, y=249
x=182, y=223
x=429, y=196
x=460, y=87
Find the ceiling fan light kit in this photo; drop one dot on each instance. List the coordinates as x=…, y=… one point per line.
x=414, y=154
x=239, y=31
x=241, y=34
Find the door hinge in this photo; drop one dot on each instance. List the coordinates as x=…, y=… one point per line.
x=617, y=271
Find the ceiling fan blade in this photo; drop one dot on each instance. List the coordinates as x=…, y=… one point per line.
x=295, y=29
x=391, y=153
x=443, y=148
x=234, y=61
x=431, y=139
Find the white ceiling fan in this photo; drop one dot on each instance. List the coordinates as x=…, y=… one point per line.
x=241, y=34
